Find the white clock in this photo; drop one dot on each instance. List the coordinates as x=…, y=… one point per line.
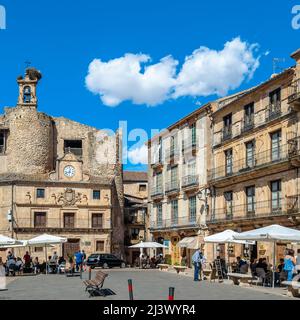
x=69, y=171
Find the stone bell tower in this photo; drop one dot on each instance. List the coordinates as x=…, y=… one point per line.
x=30, y=141
x=27, y=88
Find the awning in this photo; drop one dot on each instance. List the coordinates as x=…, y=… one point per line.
x=196, y=243
x=185, y=242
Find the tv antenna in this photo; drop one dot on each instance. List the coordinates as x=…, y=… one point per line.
x=276, y=64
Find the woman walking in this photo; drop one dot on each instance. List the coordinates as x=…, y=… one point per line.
x=289, y=264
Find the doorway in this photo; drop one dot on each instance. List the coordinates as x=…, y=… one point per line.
x=70, y=247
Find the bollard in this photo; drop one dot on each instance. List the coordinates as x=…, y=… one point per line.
x=171, y=294
x=130, y=289
x=90, y=273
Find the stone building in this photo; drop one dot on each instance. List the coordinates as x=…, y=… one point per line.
x=254, y=178
x=177, y=175
x=59, y=177
x=135, y=211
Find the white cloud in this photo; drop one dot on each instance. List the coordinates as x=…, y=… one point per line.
x=122, y=79
x=204, y=72
x=138, y=155
x=208, y=72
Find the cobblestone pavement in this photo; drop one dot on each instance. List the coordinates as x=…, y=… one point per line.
x=148, y=285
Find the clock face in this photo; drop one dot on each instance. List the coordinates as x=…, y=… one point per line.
x=69, y=171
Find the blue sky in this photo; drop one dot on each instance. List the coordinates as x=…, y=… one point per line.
x=61, y=38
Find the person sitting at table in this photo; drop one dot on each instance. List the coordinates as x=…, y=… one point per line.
x=262, y=263
x=11, y=264
x=61, y=265
x=19, y=265
x=240, y=263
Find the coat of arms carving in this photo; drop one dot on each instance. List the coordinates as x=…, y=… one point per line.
x=69, y=197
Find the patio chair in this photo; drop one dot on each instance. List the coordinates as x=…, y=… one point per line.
x=94, y=287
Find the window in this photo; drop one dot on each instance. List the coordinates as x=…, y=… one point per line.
x=100, y=246
x=134, y=232
x=69, y=220
x=275, y=145
x=2, y=141
x=160, y=150
x=142, y=187
x=250, y=199
x=40, y=193
x=228, y=162
x=275, y=101
x=38, y=249
x=159, y=182
x=227, y=132
x=97, y=220
x=172, y=146
x=40, y=220
x=159, y=214
x=250, y=152
x=249, y=116
x=276, y=195
x=174, y=212
x=27, y=94
x=96, y=194
x=228, y=197
x=73, y=146
x=174, y=177
x=192, y=209
x=194, y=134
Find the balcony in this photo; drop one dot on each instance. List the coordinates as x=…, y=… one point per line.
x=260, y=209
x=273, y=112
x=248, y=168
x=247, y=124
x=175, y=223
x=157, y=192
x=190, y=181
x=294, y=95
x=226, y=133
x=172, y=187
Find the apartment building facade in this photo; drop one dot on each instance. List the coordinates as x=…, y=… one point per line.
x=59, y=177
x=254, y=178
x=178, y=183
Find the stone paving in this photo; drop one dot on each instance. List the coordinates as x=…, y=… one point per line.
x=148, y=285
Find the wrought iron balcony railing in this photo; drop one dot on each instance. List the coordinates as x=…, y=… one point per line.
x=227, y=133
x=260, y=159
x=294, y=91
x=175, y=222
x=172, y=186
x=190, y=180
x=247, y=124
x=157, y=191
x=260, y=209
x=273, y=112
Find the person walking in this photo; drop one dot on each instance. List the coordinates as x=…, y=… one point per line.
x=196, y=259
x=289, y=264
x=78, y=260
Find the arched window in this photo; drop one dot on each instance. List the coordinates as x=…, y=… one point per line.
x=27, y=94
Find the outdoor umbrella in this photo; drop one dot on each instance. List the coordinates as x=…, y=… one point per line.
x=273, y=233
x=226, y=236
x=6, y=242
x=45, y=240
x=147, y=245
